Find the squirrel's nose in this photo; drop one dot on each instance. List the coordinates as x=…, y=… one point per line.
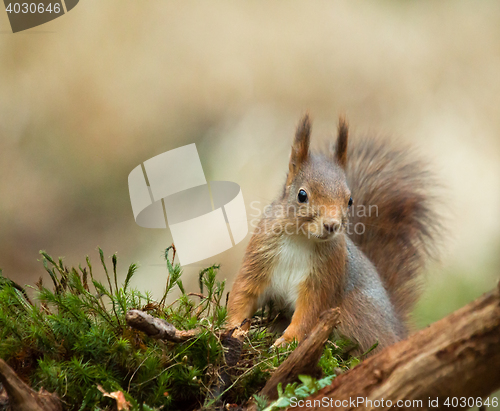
x=331, y=226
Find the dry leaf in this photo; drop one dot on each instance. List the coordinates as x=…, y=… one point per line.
x=121, y=402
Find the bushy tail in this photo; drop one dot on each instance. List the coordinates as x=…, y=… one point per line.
x=392, y=192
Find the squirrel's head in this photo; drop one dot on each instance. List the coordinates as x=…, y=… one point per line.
x=316, y=190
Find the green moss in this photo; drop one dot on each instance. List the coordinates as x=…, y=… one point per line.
x=74, y=338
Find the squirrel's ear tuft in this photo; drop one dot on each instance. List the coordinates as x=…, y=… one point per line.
x=300, y=147
x=341, y=146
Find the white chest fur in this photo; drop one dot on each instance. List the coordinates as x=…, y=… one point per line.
x=291, y=268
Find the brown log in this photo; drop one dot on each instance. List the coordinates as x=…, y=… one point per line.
x=22, y=397
x=158, y=328
x=458, y=356
x=304, y=359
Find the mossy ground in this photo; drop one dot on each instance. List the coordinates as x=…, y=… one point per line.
x=73, y=338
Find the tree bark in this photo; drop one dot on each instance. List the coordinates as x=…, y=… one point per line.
x=458, y=356
x=22, y=397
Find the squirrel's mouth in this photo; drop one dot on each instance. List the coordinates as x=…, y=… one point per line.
x=319, y=231
x=324, y=237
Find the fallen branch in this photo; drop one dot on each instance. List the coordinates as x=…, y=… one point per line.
x=158, y=328
x=458, y=356
x=22, y=397
x=304, y=359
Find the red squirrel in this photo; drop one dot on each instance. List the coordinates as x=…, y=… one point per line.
x=310, y=253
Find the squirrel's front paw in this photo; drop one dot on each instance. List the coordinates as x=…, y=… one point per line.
x=283, y=341
x=280, y=342
x=288, y=336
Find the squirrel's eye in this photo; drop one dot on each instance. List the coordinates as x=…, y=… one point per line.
x=350, y=202
x=302, y=196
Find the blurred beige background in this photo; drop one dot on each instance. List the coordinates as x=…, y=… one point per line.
x=88, y=96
